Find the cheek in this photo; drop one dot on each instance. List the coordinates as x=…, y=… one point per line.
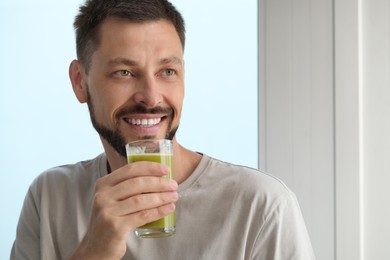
x=106, y=104
x=178, y=103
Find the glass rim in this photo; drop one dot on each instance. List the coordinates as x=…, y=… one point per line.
x=160, y=141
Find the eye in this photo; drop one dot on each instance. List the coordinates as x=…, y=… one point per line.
x=168, y=72
x=123, y=73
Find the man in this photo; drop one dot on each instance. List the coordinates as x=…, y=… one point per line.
x=130, y=72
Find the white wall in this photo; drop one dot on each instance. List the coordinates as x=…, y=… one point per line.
x=43, y=125
x=362, y=65
x=296, y=108
x=348, y=130
x=376, y=128
x=325, y=118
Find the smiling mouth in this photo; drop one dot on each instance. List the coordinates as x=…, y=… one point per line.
x=143, y=122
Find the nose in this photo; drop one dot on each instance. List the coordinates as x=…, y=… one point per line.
x=148, y=93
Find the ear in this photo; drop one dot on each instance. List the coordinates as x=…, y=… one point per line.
x=77, y=78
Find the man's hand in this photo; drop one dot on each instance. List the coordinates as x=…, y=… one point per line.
x=127, y=198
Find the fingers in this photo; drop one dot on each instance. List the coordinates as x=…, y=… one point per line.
x=127, y=198
x=134, y=188
x=132, y=170
x=134, y=212
x=146, y=216
x=140, y=185
x=145, y=202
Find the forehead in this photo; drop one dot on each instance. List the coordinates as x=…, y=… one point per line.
x=143, y=42
x=116, y=32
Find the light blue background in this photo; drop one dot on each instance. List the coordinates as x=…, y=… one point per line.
x=43, y=125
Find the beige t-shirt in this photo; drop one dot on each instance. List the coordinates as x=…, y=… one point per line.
x=224, y=211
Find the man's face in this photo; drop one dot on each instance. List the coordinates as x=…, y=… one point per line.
x=135, y=85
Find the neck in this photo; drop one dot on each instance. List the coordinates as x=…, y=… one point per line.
x=114, y=159
x=184, y=160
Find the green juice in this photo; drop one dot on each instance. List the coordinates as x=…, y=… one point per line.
x=167, y=222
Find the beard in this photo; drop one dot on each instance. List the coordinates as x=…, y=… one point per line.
x=115, y=137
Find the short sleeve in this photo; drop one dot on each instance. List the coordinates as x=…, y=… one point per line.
x=27, y=242
x=284, y=234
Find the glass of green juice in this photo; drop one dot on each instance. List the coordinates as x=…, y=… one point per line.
x=160, y=151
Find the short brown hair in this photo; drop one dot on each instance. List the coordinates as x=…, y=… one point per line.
x=94, y=12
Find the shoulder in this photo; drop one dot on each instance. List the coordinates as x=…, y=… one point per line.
x=251, y=187
x=80, y=173
x=249, y=178
x=260, y=196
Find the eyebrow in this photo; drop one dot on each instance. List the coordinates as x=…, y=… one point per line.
x=121, y=61
x=171, y=60
x=130, y=62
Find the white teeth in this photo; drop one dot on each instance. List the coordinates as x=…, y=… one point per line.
x=145, y=122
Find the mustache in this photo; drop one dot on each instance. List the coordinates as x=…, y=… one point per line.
x=139, y=109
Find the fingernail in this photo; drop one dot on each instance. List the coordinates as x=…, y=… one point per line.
x=174, y=195
x=173, y=184
x=165, y=169
x=170, y=207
